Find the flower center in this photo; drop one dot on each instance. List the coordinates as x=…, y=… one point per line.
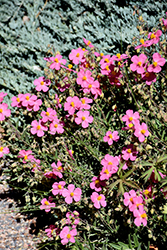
x=84, y=78
x=146, y=192
x=147, y=74
x=25, y=157
x=42, y=83
x=38, y=127
x=59, y=186
x=142, y=41
x=130, y=119
x=97, y=181
x=17, y=99
x=72, y=104
x=46, y=203
x=138, y=204
x=139, y=64
x=131, y=199
x=56, y=60
x=107, y=68
x=99, y=198
x=153, y=36
x=70, y=66
x=55, y=125
x=143, y=215
x=27, y=98
x=118, y=55
x=155, y=64
x=110, y=135
x=106, y=60
x=129, y=151
x=47, y=113
x=130, y=125
x=77, y=55
x=68, y=236
x=1, y=149
x=106, y=171
x=110, y=163
x=59, y=168
x=89, y=42
x=72, y=194
x=143, y=131
x=101, y=54
x=89, y=86
x=1, y=110
x=83, y=101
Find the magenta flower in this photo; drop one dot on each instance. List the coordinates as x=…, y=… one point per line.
x=96, y=184
x=144, y=43
x=56, y=127
x=157, y=62
x=94, y=88
x=46, y=204
x=76, y=55
x=141, y=216
x=42, y=84
x=84, y=78
x=71, y=104
x=4, y=111
x=72, y=193
x=57, y=169
x=129, y=152
x=137, y=201
x=57, y=61
x=66, y=235
x=83, y=118
x=154, y=36
x=26, y=155
x=141, y=131
x=58, y=187
x=84, y=103
x=28, y=100
x=58, y=100
x=139, y=63
x=36, y=105
x=107, y=171
x=52, y=229
x=110, y=137
x=128, y=197
x=98, y=200
x=3, y=150
x=2, y=94
x=38, y=128
x=130, y=117
x=110, y=161
x=149, y=77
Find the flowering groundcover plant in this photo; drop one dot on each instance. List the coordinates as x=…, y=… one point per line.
x=90, y=151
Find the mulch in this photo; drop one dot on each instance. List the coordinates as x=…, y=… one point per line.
x=15, y=228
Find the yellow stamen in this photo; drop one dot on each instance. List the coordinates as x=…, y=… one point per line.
x=59, y=186
x=89, y=42
x=155, y=64
x=130, y=119
x=47, y=113
x=72, y=194
x=27, y=98
x=153, y=36
x=89, y=86
x=146, y=192
x=42, y=83
x=110, y=135
x=72, y=104
x=56, y=60
x=142, y=41
x=143, y=215
x=106, y=171
x=68, y=236
x=70, y=66
x=97, y=181
x=1, y=110
x=147, y=74
x=18, y=99
x=110, y=163
x=139, y=64
x=25, y=157
x=107, y=68
x=118, y=55
x=130, y=125
x=77, y=55
x=83, y=101
x=83, y=118
x=59, y=168
x=1, y=149
x=38, y=127
x=131, y=199
x=129, y=151
x=84, y=78
x=55, y=125
x=46, y=203
x=143, y=131
x=99, y=198
x=106, y=60
x=101, y=54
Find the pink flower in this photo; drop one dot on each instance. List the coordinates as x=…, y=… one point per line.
x=83, y=118
x=58, y=100
x=4, y=111
x=128, y=197
x=71, y=104
x=49, y=115
x=26, y=155
x=94, y=88
x=72, y=218
x=96, y=184
x=119, y=57
x=66, y=235
x=36, y=105
x=129, y=152
x=141, y=131
x=130, y=117
x=2, y=94
x=88, y=43
x=76, y=55
x=38, y=128
x=28, y=100
x=17, y=101
x=57, y=169
x=144, y=44
x=84, y=78
x=58, y=187
x=42, y=84
x=3, y=150
x=158, y=61
x=56, y=127
x=155, y=36
x=106, y=60
x=110, y=137
x=138, y=63
x=84, y=103
x=98, y=200
x=110, y=161
x=164, y=22
x=46, y=205
x=107, y=171
x=137, y=201
x=72, y=193
x=56, y=62
x=141, y=216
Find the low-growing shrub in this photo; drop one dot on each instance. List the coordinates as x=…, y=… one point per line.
x=90, y=149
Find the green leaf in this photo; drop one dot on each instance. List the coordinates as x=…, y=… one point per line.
x=162, y=158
